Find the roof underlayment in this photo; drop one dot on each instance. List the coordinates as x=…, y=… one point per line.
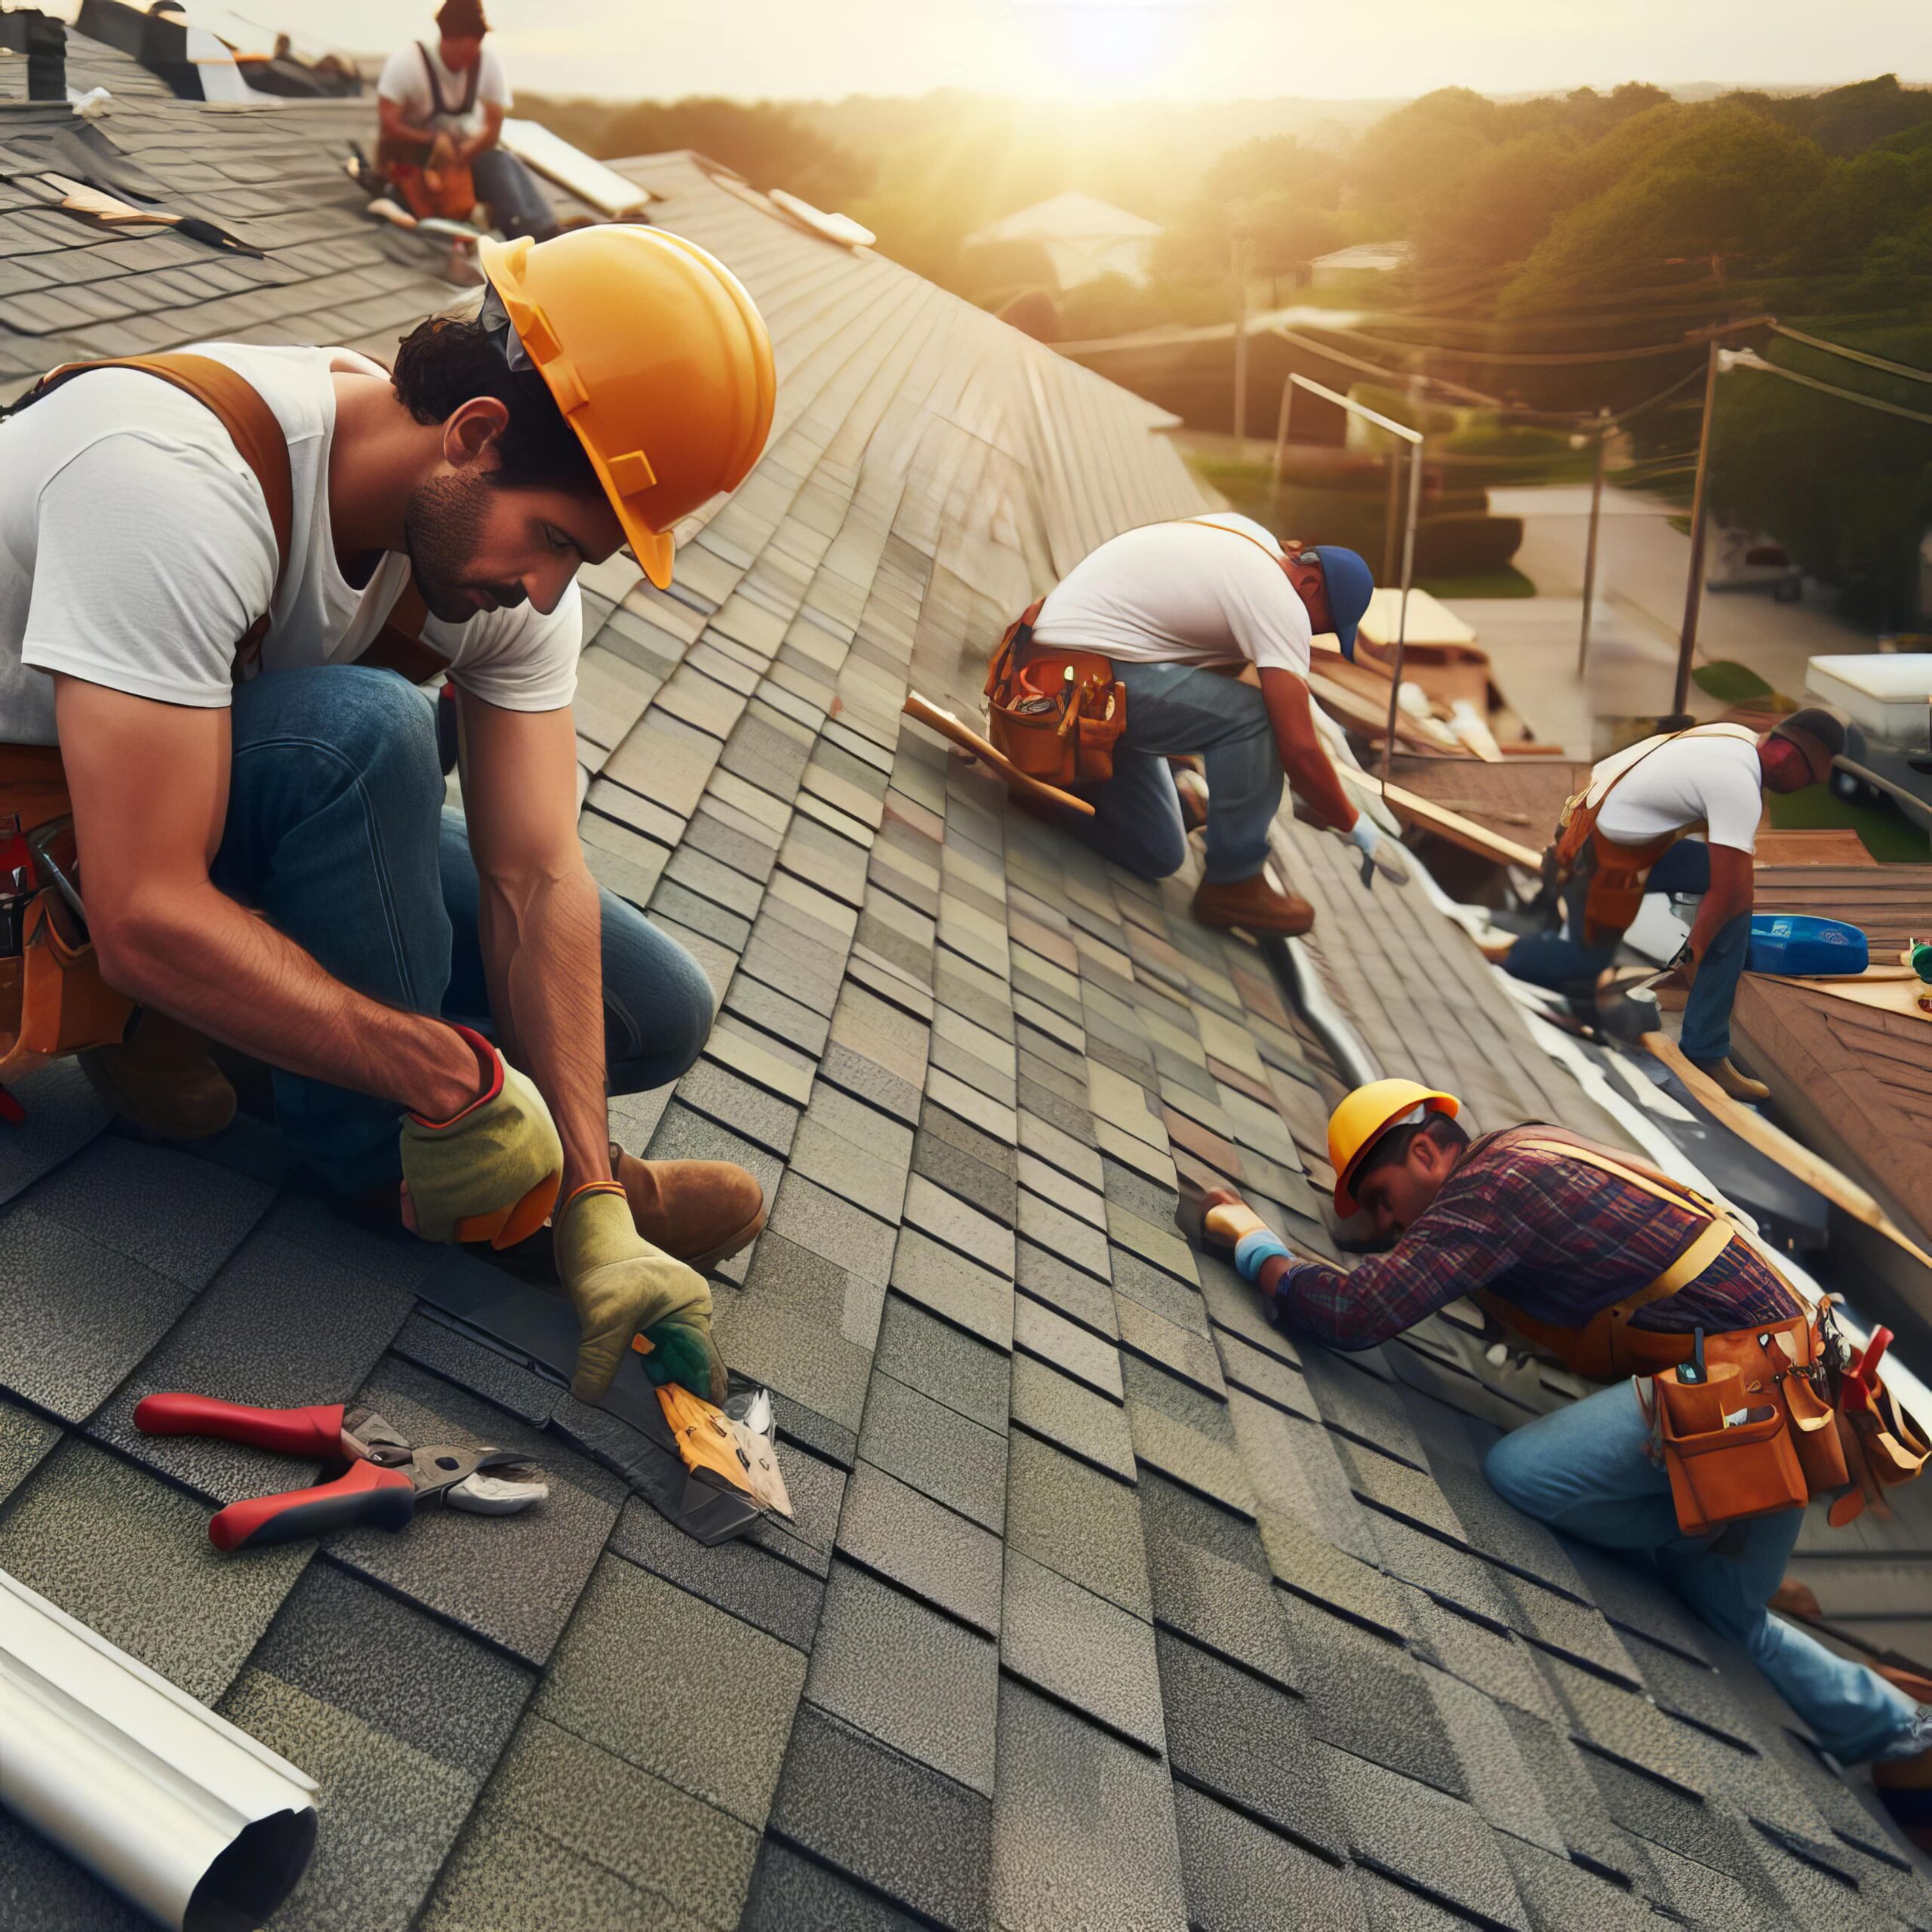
x=1107, y=1605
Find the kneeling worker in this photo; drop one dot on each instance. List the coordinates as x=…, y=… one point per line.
x=1630, y=835
x=212, y=567
x=1167, y=604
x=1606, y=1266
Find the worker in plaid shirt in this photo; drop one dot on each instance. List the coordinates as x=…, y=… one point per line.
x=1548, y=1241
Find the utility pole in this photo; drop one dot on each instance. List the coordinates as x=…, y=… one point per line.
x=1240, y=260
x=1693, y=596
x=1590, y=541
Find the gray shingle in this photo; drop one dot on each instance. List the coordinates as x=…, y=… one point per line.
x=945, y=1362
x=1243, y=1878
x=921, y=1545
x=1085, y=1834
x=803, y=1324
x=890, y=1665
x=954, y=1288
x=892, y=1823
x=1067, y=1516
x=936, y=1450
x=1072, y=1416
x=677, y=1687
x=794, y=1894
x=1081, y=1650
x=129, y=1556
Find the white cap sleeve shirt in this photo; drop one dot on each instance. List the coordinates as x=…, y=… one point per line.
x=1710, y=776
x=136, y=549
x=1200, y=592
x=403, y=81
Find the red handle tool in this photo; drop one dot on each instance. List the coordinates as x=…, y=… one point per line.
x=1861, y=1380
x=368, y=1495
x=316, y=1431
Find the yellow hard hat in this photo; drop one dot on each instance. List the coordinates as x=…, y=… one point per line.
x=1365, y=1116
x=658, y=358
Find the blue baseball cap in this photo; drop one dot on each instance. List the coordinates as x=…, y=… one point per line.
x=1350, y=584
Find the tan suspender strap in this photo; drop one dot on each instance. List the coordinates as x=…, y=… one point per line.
x=1688, y=1265
x=1659, y=1186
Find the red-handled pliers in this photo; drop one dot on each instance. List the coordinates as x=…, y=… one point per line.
x=385, y=1479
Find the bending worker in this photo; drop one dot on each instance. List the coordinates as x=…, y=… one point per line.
x=1604, y=1266
x=264, y=853
x=1630, y=834
x=442, y=109
x=1180, y=608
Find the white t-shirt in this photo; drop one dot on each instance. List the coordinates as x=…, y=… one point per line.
x=136, y=550
x=404, y=82
x=1711, y=775
x=1183, y=593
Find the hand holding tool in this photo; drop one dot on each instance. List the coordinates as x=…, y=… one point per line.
x=492, y=1172
x=386, y=1479
x=622, y=1287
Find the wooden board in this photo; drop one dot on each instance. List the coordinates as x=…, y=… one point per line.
x=1839, y=846
x=1513, y=801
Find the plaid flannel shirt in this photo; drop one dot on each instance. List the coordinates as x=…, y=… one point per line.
x=1554, y=1237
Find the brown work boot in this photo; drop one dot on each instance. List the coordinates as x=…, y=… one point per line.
x=701, y=1212
x=1254, y=905
x=1739, y=1086
x=162, y=1079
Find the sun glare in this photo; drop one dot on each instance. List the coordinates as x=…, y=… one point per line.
x=1111, y=48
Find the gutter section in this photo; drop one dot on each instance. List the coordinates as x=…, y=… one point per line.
x=187, y=1817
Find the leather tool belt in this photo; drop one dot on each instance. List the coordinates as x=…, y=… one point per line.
x=1056, y=714
x=1778, y=1417
x=52, y=999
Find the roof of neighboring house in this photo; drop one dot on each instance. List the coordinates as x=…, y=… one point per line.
x=1373, y=255
x=1107, y=1605
x=1069, y=217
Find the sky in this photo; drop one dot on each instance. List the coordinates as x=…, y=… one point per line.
x=1133, y=49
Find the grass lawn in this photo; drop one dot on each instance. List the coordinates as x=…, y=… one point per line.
x=1888, y=835
x=1508, y=582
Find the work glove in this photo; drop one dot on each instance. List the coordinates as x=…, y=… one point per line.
x=1370, y=842
x=621, y=1286
x=491, y=1173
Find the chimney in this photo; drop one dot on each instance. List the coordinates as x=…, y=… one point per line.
x=46, y=56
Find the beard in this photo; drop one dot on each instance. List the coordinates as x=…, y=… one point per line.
x=442, y=529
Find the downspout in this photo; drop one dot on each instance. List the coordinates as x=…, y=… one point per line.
x=184, y=1816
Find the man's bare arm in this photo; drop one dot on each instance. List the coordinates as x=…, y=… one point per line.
x=394, y=125
x=486, y=136
x=1732, y=891
x=149, y=784
x=542, y=929
x=1303, y=756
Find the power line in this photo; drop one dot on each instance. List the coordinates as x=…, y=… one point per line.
x=1750, y=359
x=1399, y=377
x=1904, y=369
x=1557, y=359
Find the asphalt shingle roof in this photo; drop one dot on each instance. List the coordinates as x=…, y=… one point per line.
x=1107, y=1605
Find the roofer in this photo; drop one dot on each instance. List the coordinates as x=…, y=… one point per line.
x=1630, y=833
x=262, y=848
x=1592, y=1259
x=442, y=110
x=1207, y=623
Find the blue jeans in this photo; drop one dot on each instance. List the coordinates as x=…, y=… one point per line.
x=1177, y=709
x=517, y=202
x=1585, y=1470
x=1565, y=964
x=336, y=832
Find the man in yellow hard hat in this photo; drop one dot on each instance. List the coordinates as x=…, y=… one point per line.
x=201, y=566
x=1599, y=1262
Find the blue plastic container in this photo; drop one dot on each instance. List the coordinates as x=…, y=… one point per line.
x=1794, y=944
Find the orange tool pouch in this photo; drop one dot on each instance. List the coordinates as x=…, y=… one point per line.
x=1786, y=1449
x=1883, y=1444
x=53, y=1000
x=1057, y=715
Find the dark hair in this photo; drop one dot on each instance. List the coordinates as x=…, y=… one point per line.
x=461, y=20
x=1393, y=1147
x=450, y=360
